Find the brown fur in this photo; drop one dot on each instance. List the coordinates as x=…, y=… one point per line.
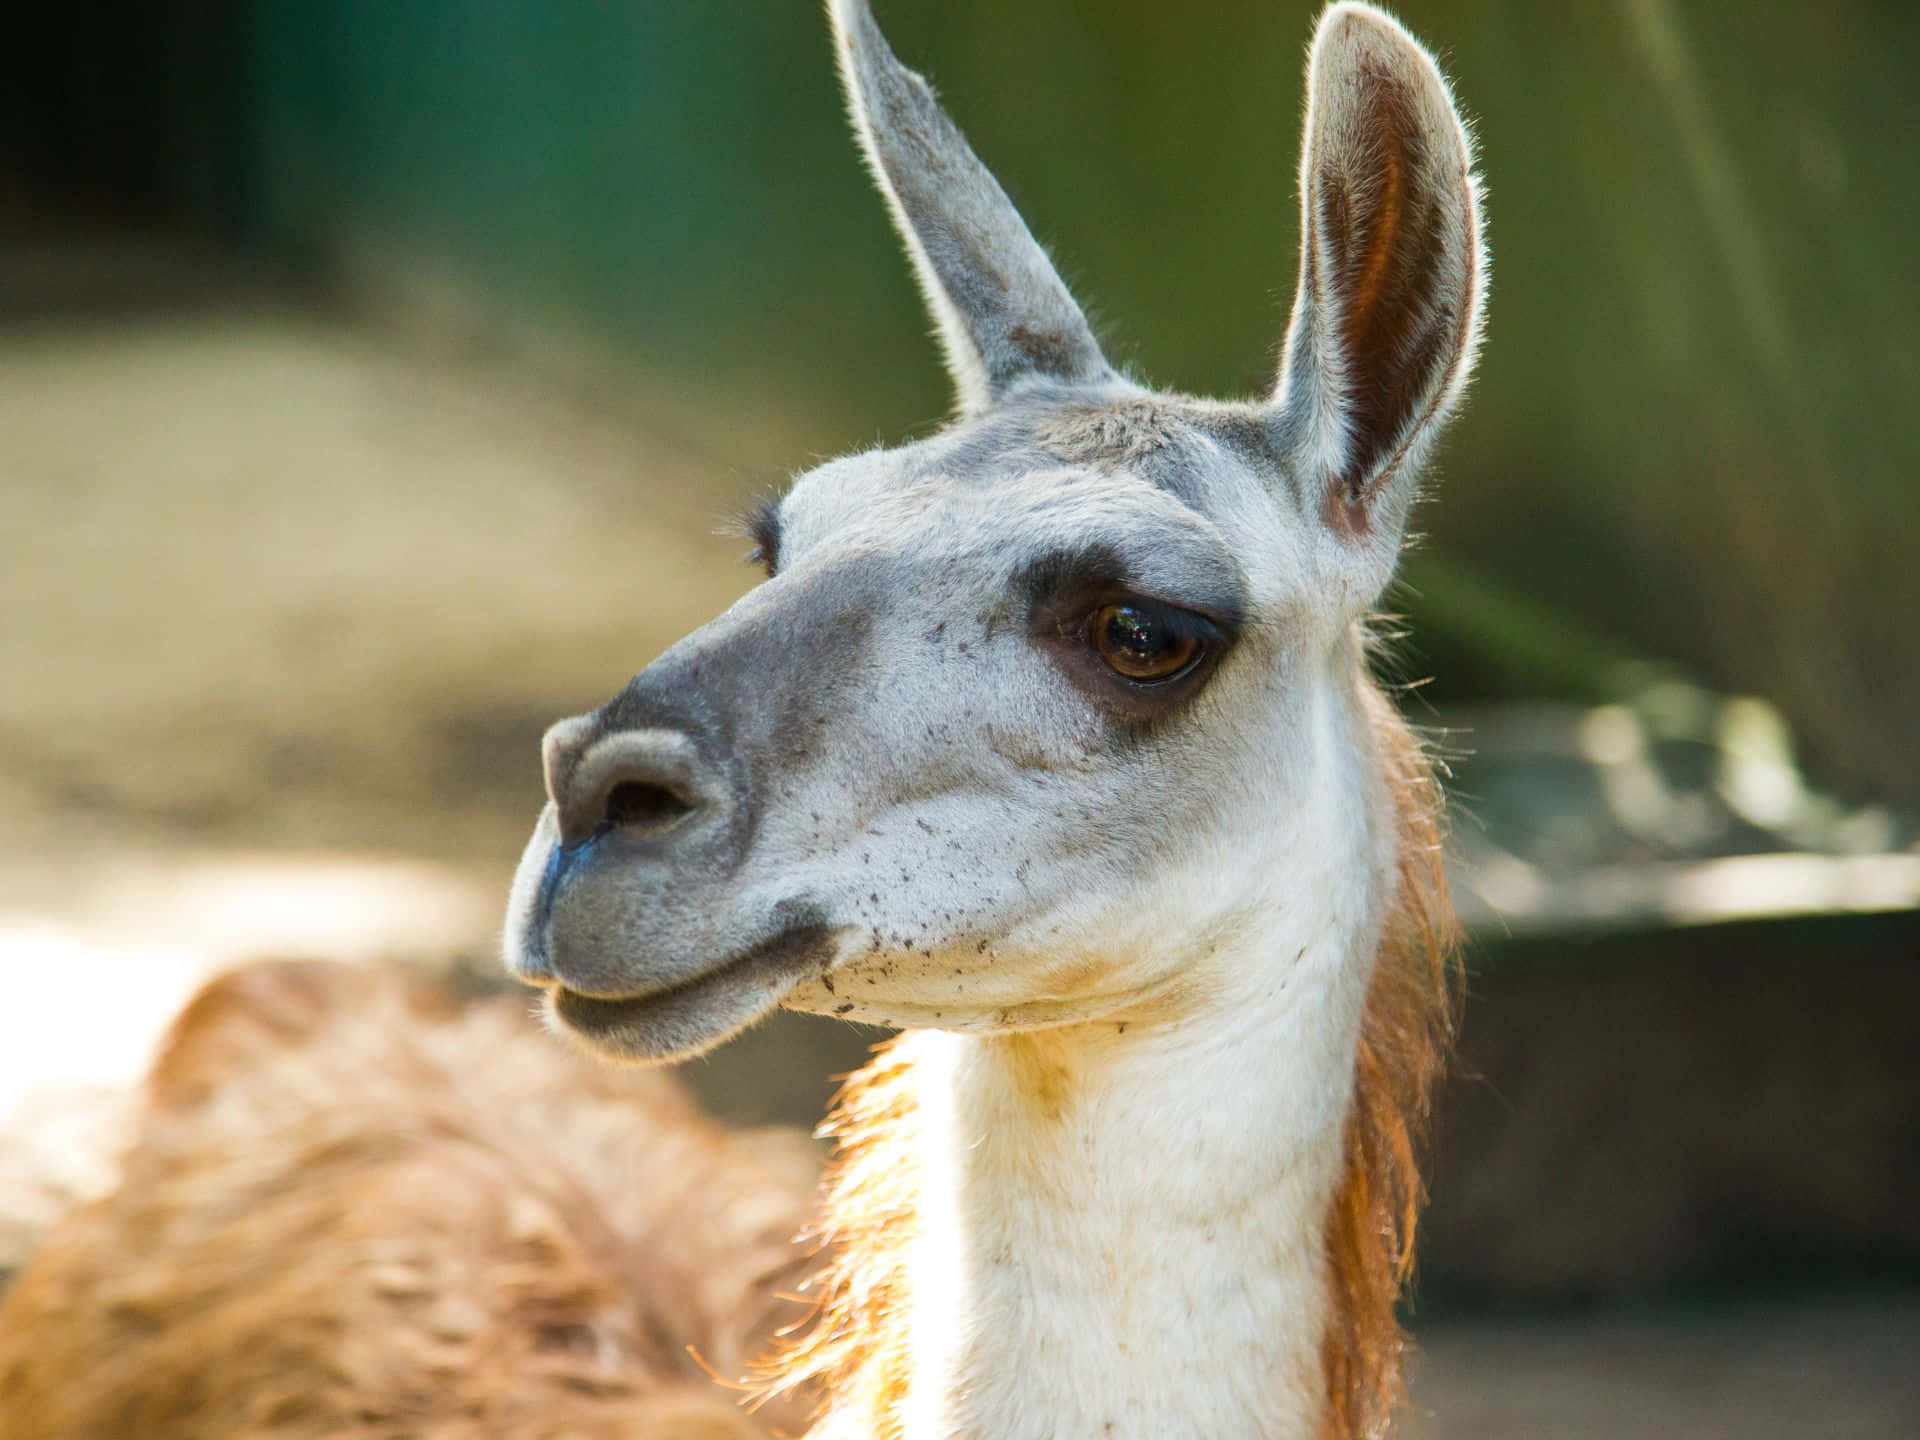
x=1404, y=1039
x=855, y=1347
x=354, y=1209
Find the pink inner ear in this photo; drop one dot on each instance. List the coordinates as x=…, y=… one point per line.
x=1383, y=217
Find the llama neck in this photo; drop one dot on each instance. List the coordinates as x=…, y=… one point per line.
x=1189, y=1221
x=1122, y=1228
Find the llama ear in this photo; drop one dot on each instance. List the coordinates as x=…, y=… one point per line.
x=1002, y=312
x=1392, y=277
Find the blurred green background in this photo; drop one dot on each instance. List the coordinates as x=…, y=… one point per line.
x=1692, y=440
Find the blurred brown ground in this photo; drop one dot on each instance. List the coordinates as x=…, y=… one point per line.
x=289, y=602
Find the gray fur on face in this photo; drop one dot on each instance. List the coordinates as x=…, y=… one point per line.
x=897, y=782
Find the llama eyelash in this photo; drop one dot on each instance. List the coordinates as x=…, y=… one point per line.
x=759, y=524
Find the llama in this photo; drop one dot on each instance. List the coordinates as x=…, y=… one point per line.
x=1051, y=739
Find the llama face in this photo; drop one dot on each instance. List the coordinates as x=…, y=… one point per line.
x=969, y=757
x=1031, y=712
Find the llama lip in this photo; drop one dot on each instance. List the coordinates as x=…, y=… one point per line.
x=698, y=1013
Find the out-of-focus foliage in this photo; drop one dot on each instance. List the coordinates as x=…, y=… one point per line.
x=1694, y=436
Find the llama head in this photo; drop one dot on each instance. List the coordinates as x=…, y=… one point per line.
x=1033, y=714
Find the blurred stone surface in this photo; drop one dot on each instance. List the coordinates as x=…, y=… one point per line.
x=1676, y=807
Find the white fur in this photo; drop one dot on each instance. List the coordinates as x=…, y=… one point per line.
x=1149, y=1264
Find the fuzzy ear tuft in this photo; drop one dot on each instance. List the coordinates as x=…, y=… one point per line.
x=1392, y=278
x=1002, y=312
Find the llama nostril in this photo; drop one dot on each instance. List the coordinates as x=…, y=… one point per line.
x=641, y=783
x=640, y=805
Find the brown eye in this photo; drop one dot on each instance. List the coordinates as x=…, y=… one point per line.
x=1144, y=644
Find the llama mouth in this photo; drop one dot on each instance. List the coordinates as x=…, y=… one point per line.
x=695, y=1015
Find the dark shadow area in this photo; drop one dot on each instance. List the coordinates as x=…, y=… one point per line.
x=1724, y=1109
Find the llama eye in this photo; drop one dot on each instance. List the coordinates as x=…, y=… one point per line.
x=1146, y=644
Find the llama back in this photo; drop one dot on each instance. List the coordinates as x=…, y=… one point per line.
x=355, y=1208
